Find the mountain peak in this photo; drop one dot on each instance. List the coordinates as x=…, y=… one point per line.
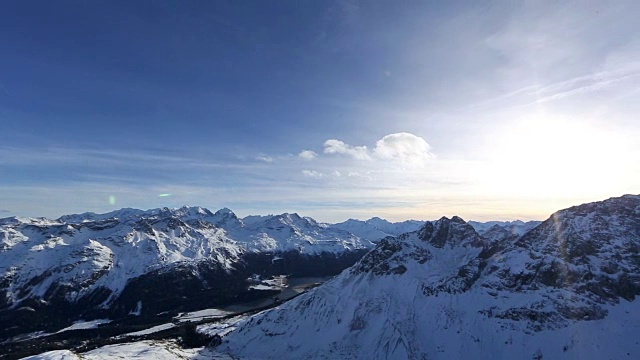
x=457, y=219
x=120, y=214
x=224, y=211
x=226, y=218
x=378, y=222
x=454, y=232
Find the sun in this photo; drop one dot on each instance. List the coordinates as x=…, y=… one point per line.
x=554, y=156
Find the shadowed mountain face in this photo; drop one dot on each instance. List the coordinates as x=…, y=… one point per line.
x=565, y=289
x=592, y=249
x=88, y=265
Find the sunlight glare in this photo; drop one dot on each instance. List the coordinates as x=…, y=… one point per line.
x=554, y=156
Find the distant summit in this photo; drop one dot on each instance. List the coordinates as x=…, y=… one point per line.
x=376, y=228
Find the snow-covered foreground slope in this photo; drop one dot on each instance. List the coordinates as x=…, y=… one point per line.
x=565, y=290
x=399, y=324
x=459, y=335
x=148, y=350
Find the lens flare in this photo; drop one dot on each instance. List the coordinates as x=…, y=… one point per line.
x=112, y=200
x=164, y=195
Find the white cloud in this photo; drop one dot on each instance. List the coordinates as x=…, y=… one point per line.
x=307, y=155
x=322, y=175
x=333, y=146
x=312, y=174
x=404, y=147
x=358, y=175
x=267, y=159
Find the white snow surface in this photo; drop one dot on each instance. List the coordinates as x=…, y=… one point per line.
x=223, y=327
x=83, y=325
x=265, y=287
x=343, y=320
x=55, y=355
x=202, y=314
x=148, y=350
x=152, y=330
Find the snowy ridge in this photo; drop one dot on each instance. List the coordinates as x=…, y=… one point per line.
x=564, y=290
x=291, y=232
x=376, y=228
x=39, y=260
x=496, y=231
x=156, y=350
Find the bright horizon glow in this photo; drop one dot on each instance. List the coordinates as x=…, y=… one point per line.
x=571, y=158
x=340, y=109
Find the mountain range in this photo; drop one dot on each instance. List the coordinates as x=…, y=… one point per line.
x=563, y=288
x=53, y=272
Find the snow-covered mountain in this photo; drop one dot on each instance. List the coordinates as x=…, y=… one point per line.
x=564, y=290
x=37, y=258
x=495, y=231
x=121, y=259
x=291, y=232
x=376, y=229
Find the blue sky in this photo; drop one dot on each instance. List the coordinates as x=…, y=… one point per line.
x=330, y=109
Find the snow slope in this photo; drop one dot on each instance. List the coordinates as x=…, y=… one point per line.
x=39, y=259
x=564, y=290
x=156, y=350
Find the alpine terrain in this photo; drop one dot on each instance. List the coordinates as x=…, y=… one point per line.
x=121, y=264
x=376, y=229
x=565, y=289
